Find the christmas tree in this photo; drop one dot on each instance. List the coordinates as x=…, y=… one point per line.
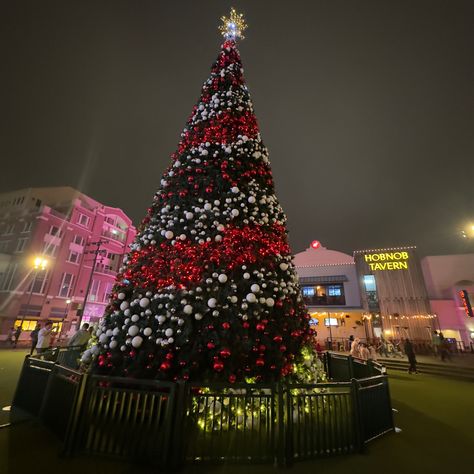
x=208, y=290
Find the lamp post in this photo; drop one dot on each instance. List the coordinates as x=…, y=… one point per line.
x=39, y=263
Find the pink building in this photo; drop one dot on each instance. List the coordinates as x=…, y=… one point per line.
x=50, y=240
x=450, y=283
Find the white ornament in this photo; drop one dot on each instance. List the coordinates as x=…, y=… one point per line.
x=235, y=212
x=137, y=341
x=251, y=199
x=161, y=319
x=212, y=303
x=255, y=288
x=235, y=189
x=113, y=344
x=121, y=296
x=103, y=338
x=169, y=234
x=86, y=356
x=283, y=266
x=222, y=278
x=124, y=305
x=246, y=276
x=188, y=309
x=198, y=316
x=135, y=318
x=169, y=332
x=270, y=302
x=133, y=330
x=233, y=299
x=147, y=331
x=189, y=215
x=144, y=302
x=251, y=298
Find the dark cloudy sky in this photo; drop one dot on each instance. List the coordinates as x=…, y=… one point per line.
x=366, y=106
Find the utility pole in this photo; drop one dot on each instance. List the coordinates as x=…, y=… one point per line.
x=96, y=252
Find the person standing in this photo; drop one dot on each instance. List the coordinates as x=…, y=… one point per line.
x=373, y=353
x=44, y=338
x=436, y=343
x=355, y=348
x=410, y=353
x=17, y=335
x=34, y=337
x=81, y=338
x=364, y=352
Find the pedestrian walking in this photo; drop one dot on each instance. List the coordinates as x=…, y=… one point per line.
x=34, y=337
x=81, y=337
x=44, y=338
x=11, y=336
x=17, y=335
x=410, y=353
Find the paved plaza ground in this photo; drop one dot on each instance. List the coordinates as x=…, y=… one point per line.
x=434, y=413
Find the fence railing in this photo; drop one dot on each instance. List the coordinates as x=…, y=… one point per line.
x=168, y=424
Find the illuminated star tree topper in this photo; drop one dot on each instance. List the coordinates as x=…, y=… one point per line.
x=232, y=28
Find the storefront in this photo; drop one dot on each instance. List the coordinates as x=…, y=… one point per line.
x=374, y=293
x=330, y=288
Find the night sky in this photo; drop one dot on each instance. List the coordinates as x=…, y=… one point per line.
x=366, y=107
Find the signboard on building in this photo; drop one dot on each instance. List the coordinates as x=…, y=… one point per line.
x=387, y=261
x=465, y=301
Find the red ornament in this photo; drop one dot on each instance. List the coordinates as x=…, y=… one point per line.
x=232, y=378
x=225, y=325
x=260, y=362
x=211, y=345
x=165, y=366
x=277, y=339
x=218, y=366
x=224, y=353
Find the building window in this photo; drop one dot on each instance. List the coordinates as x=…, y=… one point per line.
x=107, y=292
x=8, y=277
x=21, y=244
x=66, y=285
x=9, y=229
x=55, y=230
x=73, y=257
x=28, y=324
x=27, y=226
x=94, y=291
x=4, y=245
x=39, y=281
x=83, y=220
x=49, y=249
x=79, y=240
x=370, y=288
x=324, y=295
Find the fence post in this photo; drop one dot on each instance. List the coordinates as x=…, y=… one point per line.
x=288, y=429
x=73, y=427
x=350, y=361
x=358, y=422
x=20, y=379
x=370, y=368
x=280, y=443
x=389, y=401
x=175, y=455
x=328, y=364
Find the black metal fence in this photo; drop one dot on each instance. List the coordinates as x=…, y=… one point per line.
x=168, y=424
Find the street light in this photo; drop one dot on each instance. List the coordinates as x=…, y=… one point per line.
x=39, y=264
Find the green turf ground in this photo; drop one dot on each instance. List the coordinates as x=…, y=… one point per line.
x=435, y=414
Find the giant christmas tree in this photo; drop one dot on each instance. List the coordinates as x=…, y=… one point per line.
x=208, y=290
